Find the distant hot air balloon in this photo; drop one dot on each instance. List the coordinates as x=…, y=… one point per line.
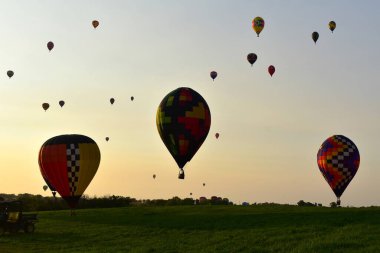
x=50, y=45
x=315, y=37
x=258, y=25
x=45, y=106
x=61, y=103
x=45, y=187
x=332, y=25
x=183, y=122
x=10, y=73
x=271, y=70
x=69, y=163
x=191, y=193
x=338, y=160
x=112, y=100
x=95, y=23
x=107, y=138
x=213, y=75
x=204, y=184
x=252, y=58
x=132, y=98
x=217, y=135
x=154, y=176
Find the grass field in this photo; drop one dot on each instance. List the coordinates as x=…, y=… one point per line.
x=203, y=229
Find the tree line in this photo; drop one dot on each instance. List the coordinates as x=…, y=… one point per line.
x=32, y=202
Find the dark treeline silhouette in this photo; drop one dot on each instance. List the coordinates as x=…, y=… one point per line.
x=303, y=203
x=40, y=203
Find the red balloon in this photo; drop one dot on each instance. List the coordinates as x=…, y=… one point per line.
x=271, y=70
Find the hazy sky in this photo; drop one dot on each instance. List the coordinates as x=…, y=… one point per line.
x=270, y=128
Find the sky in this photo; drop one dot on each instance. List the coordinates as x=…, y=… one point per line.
x=270, y=127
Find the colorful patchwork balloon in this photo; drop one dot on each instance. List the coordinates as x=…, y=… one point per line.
x=338, y=160
x=183, y=121
x=258, y=25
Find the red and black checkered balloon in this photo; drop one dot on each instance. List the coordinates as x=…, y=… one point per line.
x=338, y=161
x=183, y=122
x=68, y=163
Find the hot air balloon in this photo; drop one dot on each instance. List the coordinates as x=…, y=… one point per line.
x=258, y=25
x=10, y=73
x=45, y=187
x=271, y=70
x=107, y=138
x=252, y=58
x=332, y=26
x=315, y=37
x=154, y=176
x=183, y=122
x=45, y=106
x=132, y=98
x=217, y=135
x=112, y=100
x=338, y=160
x=50, y=45
x=95, y=23
x=204, y=184
x=69, y=163
x=213, y=75
x=61, y=103
x=191, y=193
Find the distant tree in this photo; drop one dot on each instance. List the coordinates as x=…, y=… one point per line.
x=333, y=204
x=301, y=203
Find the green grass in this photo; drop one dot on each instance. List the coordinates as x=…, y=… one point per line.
x=202, y=229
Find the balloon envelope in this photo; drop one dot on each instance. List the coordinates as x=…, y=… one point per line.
x=338, y=160
x=332, y=26
x=107, y=138
x=95, y=23
x=61, y=103
x=69, y=163
x=183, y=121
x=315, y=36
x=112, y=100
x=154, y=176
x=45, y=187
x=10, y=73
x=217, y=135
x=50, y=45
x=45, y=106
x=258, y=25
x=213, y=75
x=271, y=70
x=132, y=98
x=252, y=58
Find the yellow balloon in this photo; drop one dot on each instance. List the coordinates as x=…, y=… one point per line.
x=332, y=26
x=258, y=25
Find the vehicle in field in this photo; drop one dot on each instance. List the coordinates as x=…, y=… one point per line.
x=12, y=219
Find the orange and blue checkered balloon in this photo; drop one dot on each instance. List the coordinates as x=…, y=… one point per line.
x=338, y=161
x=183, y=121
